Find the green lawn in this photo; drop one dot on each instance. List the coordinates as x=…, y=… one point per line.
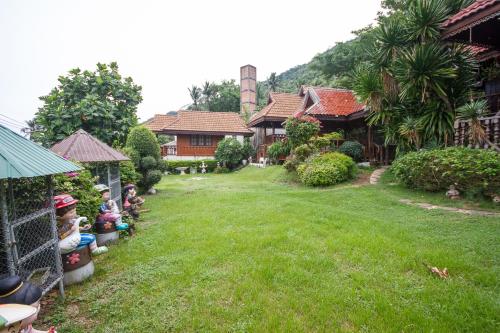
x=253, y=252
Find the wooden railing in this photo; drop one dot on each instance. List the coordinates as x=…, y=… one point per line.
x=168, y=150
x=491, y=127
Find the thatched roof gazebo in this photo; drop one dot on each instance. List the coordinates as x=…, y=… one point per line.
x=29, y=242
x=104, y=160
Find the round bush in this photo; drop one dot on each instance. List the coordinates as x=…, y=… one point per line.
x=327, y=169
x=148, y=162
x=229, y=152
x=471, y=170
x=353, y=149
x=153, y=176
x=143, y=141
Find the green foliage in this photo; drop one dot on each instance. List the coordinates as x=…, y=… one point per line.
x=327, y=169
x=102, y=103
x=221, y=169
x=163, y=139
x=81, y=187
x=172, y=165
x=299, y=131
x=299, y=155
x=144, y=151
x=229, y=152
x=471, y=170
x=278, y=148
x=352, y=149
x=218, y=97
x=248, y=149
x=128, y=174
x=320, y=142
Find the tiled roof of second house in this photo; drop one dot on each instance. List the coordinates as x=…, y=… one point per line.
x=334, y=102
x=475, y=7
x=282, y=106
x=207, y=122
x=159, y=121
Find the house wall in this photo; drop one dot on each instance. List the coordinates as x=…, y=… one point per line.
x=184, y=147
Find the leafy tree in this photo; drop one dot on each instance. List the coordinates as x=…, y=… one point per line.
x=248, y=150
x=102, y=103
x=273, y=82
x=144, y=151
x=299, y=131
x=208, y=92
x=163, y=139
x=195, y=93
x=229, y=152
x=226, y=97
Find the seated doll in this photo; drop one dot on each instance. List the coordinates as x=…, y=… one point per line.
x=15, y=291
x=109, y=210
x=131, y=202
x=68, y=227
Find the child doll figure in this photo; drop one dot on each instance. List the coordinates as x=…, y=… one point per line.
x=131, y=201
x=109, y=210
x=68, y=227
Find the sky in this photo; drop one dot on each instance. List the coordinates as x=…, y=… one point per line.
x=165, y=46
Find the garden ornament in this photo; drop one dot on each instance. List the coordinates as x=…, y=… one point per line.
x=110, y=207
x=20, y=305
x=131, y=202
x=68, y=227
x=203, y=167
x=453, y=193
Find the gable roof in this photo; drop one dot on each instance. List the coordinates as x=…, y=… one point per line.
x=280, y=107
x=159, y=121
x=20, y=157
x=207, y=122
x=472, y=9
x=332, y=102
x=83, y=147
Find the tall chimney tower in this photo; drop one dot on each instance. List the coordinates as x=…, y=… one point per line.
x=248, y=89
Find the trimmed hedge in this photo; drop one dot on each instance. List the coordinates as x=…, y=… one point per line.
x=171, y=165
x=473, y=171
x=353, y=149
x=327, y=169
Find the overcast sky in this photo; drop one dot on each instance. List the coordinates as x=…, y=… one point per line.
x=165, y=46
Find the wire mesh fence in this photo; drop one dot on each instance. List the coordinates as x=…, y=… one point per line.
x=29, y=243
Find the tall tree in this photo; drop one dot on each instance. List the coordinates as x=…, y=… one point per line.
x=195, y=93
x=101, y=102
x=272, y=82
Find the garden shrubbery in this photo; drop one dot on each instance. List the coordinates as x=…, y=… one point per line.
x=229, y=152
x=278, y=149
x=353, y=149
x=472, y=171
x=327, y=169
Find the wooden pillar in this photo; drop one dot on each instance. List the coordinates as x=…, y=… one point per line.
x=369, y=142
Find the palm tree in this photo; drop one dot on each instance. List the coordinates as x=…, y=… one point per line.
x=425, y=18
x=273, y=82
x=473, y=112
x=367, y=86
x=208, y=91
x=195, y=94
x=410, y=129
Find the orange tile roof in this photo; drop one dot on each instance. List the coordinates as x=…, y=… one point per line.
x=159, y=121
x=207, y=122
x=333, y=102
x=470, y=10
x=281, y=106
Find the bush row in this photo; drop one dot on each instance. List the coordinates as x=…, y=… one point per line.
x=472, y=171
x=171, y=165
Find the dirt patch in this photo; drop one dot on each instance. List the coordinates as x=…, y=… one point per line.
x=429, y=206
x=362, y=179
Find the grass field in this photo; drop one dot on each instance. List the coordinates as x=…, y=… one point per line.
x=254, y=252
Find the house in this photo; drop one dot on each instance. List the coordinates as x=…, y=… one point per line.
x=197, y=133
x=478, y=27
x=335, y=109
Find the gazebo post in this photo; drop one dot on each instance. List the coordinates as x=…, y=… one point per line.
x=6, y=229
x=53, y=229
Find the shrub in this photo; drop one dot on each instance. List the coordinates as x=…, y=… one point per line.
x=320, y=142
x=248, y=150
x=353, y=149
x=221, y=169
x=277, y=149
x=171, y=165
x=128, y=175
x=299, y=155
x=81, y=187
x=471, y=170
x=327, y=169
x=300, y=130
x=334, y=136
x=144, y=150
x=229, y=152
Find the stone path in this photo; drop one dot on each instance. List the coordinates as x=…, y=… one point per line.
x=376, y=175
x=450, y=209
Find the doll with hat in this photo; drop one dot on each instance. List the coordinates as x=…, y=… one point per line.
x=109, y=211
x=68, y=227
x=19, y=305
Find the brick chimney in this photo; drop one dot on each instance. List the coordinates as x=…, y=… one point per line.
x=248, y=89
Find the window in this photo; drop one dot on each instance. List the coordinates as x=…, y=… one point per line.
x=201, y=140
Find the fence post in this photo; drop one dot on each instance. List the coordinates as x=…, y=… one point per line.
x=6, y=229
x=53, y=227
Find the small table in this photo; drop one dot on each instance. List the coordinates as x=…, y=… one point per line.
x=182, y=170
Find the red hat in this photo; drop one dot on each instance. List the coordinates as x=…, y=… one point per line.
x=64, y=200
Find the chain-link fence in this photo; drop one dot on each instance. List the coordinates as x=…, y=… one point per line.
x=109, y=174
x=29, y=242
